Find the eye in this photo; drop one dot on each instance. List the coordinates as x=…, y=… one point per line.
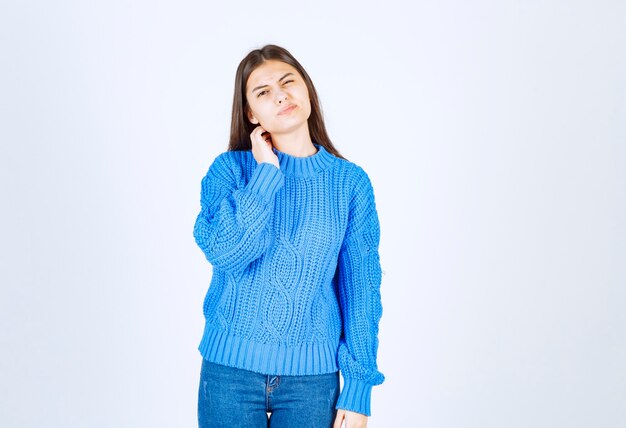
x=288, y=81
x=261, y=93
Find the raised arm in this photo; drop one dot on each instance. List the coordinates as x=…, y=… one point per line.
x=358, y=279
x=231, y=228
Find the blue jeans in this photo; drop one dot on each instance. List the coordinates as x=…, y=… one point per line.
x=232, y=397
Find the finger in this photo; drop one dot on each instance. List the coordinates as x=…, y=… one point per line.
x=259, y=138
x=339, y=419
x=260, y=134
x=257, y=132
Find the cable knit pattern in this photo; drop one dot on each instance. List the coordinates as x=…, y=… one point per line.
x=296, y=277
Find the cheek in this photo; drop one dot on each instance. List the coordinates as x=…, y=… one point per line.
x=306, y=98
x=307, y=105
x=258, y=110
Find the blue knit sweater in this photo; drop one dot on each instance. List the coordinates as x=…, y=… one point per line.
x=295, y=288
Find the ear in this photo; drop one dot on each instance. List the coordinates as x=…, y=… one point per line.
x=251, y=117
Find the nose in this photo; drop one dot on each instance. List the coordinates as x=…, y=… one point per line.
x=280, y=96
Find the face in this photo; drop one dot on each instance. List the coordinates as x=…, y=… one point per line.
x=278, y=98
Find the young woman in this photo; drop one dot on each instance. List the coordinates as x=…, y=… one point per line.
x=291, y=230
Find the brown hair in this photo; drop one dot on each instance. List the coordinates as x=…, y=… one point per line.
x=240, y=127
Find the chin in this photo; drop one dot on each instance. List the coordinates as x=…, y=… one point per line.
x=287, y=127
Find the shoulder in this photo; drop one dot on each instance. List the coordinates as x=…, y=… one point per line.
x=351, y=169
x=229, y=164
x=232, y=158
x=356, y=177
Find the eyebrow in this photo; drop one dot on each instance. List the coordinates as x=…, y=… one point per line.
x=263, y=86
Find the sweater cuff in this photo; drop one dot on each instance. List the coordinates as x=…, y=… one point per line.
x=266, y=180
x=355, y=396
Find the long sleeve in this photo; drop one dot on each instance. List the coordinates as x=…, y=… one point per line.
x=358, y=278
x=231, y=228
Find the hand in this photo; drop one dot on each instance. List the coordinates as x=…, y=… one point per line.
x=262, y=146
x=352, y=419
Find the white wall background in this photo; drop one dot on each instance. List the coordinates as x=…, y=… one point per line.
x=494, y=133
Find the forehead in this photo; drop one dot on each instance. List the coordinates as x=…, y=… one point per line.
x=268, y=72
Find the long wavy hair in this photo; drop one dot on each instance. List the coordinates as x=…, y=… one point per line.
x=240, y=127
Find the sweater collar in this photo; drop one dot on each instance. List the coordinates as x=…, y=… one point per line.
x=308, y=166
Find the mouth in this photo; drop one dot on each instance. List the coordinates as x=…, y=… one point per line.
x=287, y=109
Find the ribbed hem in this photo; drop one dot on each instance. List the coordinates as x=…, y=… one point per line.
x=355, y=396
x=266, y=180
x=307, y=359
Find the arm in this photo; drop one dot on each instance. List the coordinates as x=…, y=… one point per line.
x=358, y=279
x=231, y=228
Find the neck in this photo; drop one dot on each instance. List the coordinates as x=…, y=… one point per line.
x=296, y=143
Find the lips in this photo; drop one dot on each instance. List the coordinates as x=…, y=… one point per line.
x=287, y=109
